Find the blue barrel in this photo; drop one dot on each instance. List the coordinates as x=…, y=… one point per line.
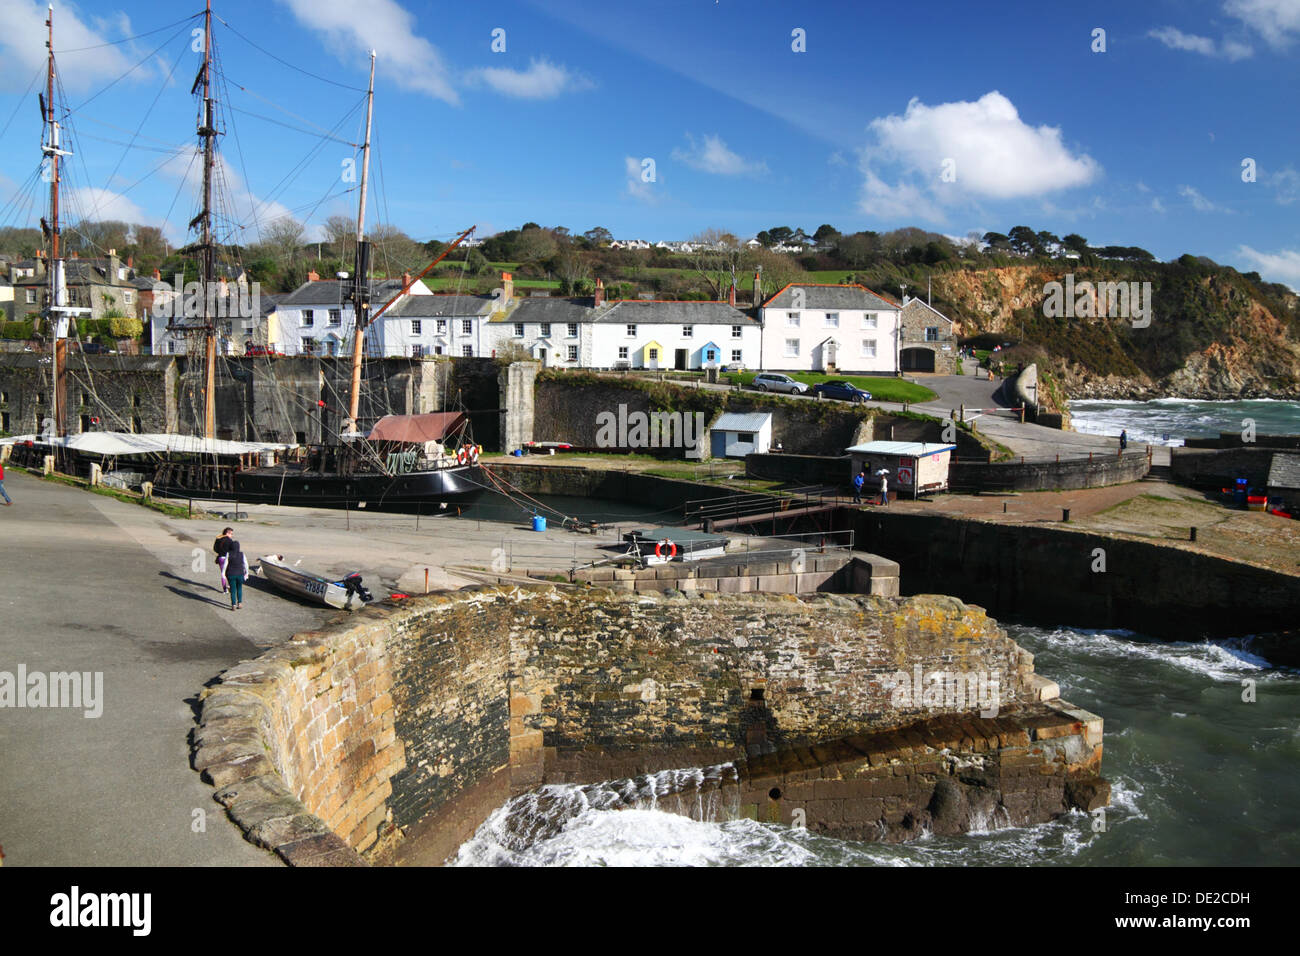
x=539, y=523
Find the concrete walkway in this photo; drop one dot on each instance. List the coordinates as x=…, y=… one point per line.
x=93, y=584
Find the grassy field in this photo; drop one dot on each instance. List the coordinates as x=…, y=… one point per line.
x=881, y=389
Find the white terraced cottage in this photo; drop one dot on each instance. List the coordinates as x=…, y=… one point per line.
x=830, y=328
x=316, y=318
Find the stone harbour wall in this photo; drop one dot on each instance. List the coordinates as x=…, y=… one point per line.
x=390, y=736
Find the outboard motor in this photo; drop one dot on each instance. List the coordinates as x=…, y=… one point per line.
x=354, y=586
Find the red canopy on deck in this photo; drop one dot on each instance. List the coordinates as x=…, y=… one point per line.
x=434, y=426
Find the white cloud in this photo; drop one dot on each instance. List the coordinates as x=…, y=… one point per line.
x=22, y=46
x=410, y=61
x=1286, y=184
x=1157, y=205
x=93, y=203
x=637, y=186
x=542, y=80
x=712, y=156
x=1277, y=21
x=247, y=209
x=899, y=201
x=1226, y=49
x=1281, y=266
x=993, y=153
x=1198, y=201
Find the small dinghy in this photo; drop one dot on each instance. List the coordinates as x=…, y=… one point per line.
x=347, y=593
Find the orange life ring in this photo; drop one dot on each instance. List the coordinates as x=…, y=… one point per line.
x=672, y=549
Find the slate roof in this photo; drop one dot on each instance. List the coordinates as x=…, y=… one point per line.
x=830, y=297
x=658, y=312
x=326, y=292
x=440, y=306
x=1284, y=471
x=556, y=311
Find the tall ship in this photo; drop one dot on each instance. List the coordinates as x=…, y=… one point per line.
x=402, y=462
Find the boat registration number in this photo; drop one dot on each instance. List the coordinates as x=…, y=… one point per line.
x=316, y=587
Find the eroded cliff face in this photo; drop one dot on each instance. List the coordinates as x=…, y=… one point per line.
x=1209, y=336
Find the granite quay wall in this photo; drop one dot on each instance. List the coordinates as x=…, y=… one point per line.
x=392, y=736
x=1045, y=575
x=127, y=393
x=1235, y=440
x=1098, y=472
x=1220, y=468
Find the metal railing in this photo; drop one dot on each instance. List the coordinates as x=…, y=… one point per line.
x=770, y=504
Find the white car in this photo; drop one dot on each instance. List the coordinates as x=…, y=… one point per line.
x=776, y=382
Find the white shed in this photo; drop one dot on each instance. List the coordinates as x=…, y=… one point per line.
x=737, y=434
x=915, y=467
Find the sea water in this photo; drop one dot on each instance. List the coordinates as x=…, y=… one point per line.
x=1200, y=776
x=1169, y=421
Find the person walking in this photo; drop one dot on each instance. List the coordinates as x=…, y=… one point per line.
x=859, y=480
x=884, y=488
x=221, y=547
x=2, y=486
x=236, y=571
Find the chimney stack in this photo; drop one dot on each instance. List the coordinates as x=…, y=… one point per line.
x=731, y=296
x=406, y=279
x=157, y=275
x=600, y=292
x=758, y=287
x=507, y=288
x=312, y=276
x=130, y=261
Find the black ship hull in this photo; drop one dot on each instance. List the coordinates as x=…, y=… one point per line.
x=441, y=490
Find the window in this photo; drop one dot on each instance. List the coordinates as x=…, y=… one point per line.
x=336, y=316
x=710, y=355
x=467, y=351
x=688, y=331
x=31, y=296
x=135, y=400
x=308, y=346
x=171, y=346
x=868, y=348
x=573, y=330
x=792, y=348
x=440, y=326
x=437, y=350
x=308, y=318
x=622, y=352
x=735, y=331
x=792, y=319
x=126, y=296
x=932, y=333
x=546, y=330
x=417, y=327
x=746, y=437
x=519, y=330
x=735, y=355
x=631, y=331
x=417, y=351
x=869, y=320
x=653, y=354
x=832, y=320
x=467, y=326
x=573, y=353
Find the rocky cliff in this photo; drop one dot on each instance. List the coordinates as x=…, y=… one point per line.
x=1212, y=333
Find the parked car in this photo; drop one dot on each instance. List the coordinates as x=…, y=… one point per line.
x=776, y=382
x=841, y=389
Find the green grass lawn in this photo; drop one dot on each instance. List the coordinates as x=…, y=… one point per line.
x=881, y=388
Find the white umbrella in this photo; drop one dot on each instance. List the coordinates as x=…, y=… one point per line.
x=883, y=471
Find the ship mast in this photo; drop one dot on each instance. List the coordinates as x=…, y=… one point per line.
x=207, y=134
x=361, y=286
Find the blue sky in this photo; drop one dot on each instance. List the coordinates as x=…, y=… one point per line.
x=953, y=117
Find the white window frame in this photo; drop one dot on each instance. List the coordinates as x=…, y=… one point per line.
x=631, y=330
x=832, y=320
x=870, y=320
x=467, y=351
x=335, y=316
x=572, y=330
x=736, y=355
x=545, y=330
x=573, y=353
x=737, y=331
x=440, y=326
x=417, y=351
x=417, y=327
x=868, y=349
x=622, y=353
x=792, y=320
x=31, y=296
x=308, y=319
x=519, y=330
x=467, y=326
x=791, y=348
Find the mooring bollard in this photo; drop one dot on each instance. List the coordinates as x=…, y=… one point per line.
x=1193, y=537
x=1004, y=507
x=1065, y=514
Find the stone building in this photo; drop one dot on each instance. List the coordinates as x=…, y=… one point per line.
x=929, y=343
